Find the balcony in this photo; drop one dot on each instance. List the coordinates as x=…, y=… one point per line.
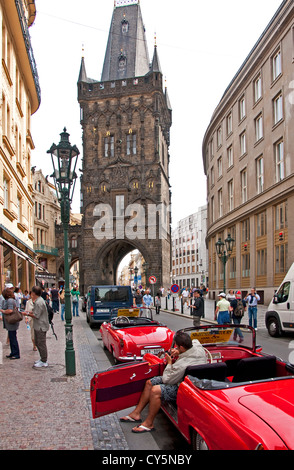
x=47, y=250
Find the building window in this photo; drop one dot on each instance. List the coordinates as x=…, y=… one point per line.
x=6, y=193
x=231, y=194
x=281, y=255
x=212, y=209
x=212, y=176
x=219, y=137
x=243, y=143
x=258, y=128
x=281, y=216
x=278, y=108
x=262, y=262
x=220, y=203
x=109, y=146
x=246, y=265
x=229, y=124
x=131, y=144
x=220, y=167
x=230, y=156
x=244, y=186
x=245, y=231
x=277, y=65
x=261, y=222
x=18, y=208
x=242, y=108
x=260, y=175
x=279, y=158
x=257, y=89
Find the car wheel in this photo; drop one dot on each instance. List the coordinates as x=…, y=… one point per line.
x=273, y=327
x=198, y=443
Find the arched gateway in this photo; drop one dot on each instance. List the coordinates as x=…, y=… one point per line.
x=125, y=191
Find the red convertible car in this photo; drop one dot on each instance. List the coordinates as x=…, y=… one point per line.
x=241, y=399
x=132, y=333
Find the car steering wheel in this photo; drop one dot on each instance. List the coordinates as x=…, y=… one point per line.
x=122, y=320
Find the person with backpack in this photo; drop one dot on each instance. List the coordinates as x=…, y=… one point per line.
x=238, y=309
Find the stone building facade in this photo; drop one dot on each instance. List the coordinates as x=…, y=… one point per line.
x=20, y=98
x=249, y=163
x=125, y=191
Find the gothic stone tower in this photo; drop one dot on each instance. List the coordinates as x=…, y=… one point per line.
x=125, y=191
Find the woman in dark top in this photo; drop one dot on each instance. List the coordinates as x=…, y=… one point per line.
x=9, y=304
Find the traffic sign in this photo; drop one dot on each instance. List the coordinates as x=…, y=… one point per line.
x=175, y=288
x=152, y=280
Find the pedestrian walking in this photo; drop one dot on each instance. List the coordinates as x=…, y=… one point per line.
x=197, y=306
x=185, y=297
x=75, y=294
x=62, y=302
x=7, y=308
x=147, y=299
x=222, y=312
x=41, y=325
x=55, y=299
x=158, y=303
x=238, y=309
x=138, y=299
x=252, y=298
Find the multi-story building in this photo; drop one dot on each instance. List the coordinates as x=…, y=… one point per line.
x=46, y=215
x=20, y=98
x=189, y=253
x=248, y=161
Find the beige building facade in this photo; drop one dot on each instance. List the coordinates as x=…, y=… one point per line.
x=248, y=161
x=20, y=98
x=46, y=214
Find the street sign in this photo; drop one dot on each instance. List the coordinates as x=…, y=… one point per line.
x=152, y=280
x=175, y=288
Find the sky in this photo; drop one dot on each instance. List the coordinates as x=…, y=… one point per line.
x=201, y=45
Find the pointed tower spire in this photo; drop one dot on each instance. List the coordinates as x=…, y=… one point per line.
x=155, y=66
x=83, y=74
x=127, y=53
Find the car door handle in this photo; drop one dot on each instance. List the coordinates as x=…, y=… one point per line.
x=133, y=376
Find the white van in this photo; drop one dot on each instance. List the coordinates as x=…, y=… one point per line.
x=280, y=314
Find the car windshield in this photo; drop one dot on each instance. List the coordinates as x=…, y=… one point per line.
x=230, y=335
x=111, y=294
x=131, y=316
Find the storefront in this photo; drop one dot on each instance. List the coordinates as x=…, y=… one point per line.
x=17, y=265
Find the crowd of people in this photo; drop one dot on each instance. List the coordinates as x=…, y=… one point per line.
x=231, y=307
x=34, y=307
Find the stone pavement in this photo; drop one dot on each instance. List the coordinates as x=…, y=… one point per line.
x=43, y=409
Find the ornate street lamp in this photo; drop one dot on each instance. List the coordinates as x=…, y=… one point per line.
x=64, y=159
x=224, y=251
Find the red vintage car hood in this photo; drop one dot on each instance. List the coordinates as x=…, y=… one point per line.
x=276, y=408
x=153, y=335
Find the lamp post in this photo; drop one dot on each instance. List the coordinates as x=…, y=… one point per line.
x=64, y=160
x=224, y=251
